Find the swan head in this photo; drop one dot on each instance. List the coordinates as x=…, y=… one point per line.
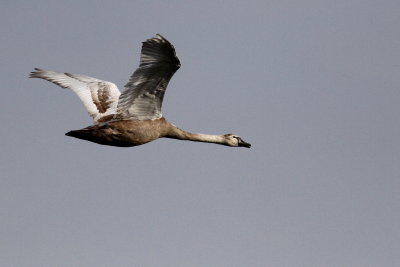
x=234, y=140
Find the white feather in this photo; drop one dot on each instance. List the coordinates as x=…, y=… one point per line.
x=100, y=98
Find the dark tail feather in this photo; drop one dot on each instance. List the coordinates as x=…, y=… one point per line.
x=91, y=134
x=97, y=135
x=81, y=134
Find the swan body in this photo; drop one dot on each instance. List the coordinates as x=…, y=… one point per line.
x=133, y=117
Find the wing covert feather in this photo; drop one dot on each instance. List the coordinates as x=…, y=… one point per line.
x=100, y=98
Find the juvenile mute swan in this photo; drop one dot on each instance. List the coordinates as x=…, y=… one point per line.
x=134, y=117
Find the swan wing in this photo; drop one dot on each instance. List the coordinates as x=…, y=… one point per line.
x=100, y=98
x=144, y=92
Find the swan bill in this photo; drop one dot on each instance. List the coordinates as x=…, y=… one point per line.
x=243, y=143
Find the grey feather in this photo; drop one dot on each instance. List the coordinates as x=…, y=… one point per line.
x=144, y=92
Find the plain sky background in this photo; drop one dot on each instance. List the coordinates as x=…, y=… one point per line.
x=312, y=85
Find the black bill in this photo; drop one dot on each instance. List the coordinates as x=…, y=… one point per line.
x=243, y=143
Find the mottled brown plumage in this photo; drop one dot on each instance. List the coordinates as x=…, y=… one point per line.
x=124, y=133
x=134, y=117
x=127, y=133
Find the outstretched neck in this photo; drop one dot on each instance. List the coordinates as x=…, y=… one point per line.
x=176, y=133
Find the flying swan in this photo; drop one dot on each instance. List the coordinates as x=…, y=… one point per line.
x=133, y=117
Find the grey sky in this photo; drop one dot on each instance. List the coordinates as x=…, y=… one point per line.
x=312, y=85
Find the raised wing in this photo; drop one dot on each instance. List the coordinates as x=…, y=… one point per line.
x=100, y=98
x=144, y=93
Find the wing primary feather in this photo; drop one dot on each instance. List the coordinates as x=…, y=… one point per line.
x=144, y=92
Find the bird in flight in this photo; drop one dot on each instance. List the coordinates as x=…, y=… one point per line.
x=133, y=117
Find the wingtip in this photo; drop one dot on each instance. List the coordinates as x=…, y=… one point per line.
x=36, y=70
x=159, y=36
x=34, y=74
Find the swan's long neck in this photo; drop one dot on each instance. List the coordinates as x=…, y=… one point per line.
x=177, y=133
